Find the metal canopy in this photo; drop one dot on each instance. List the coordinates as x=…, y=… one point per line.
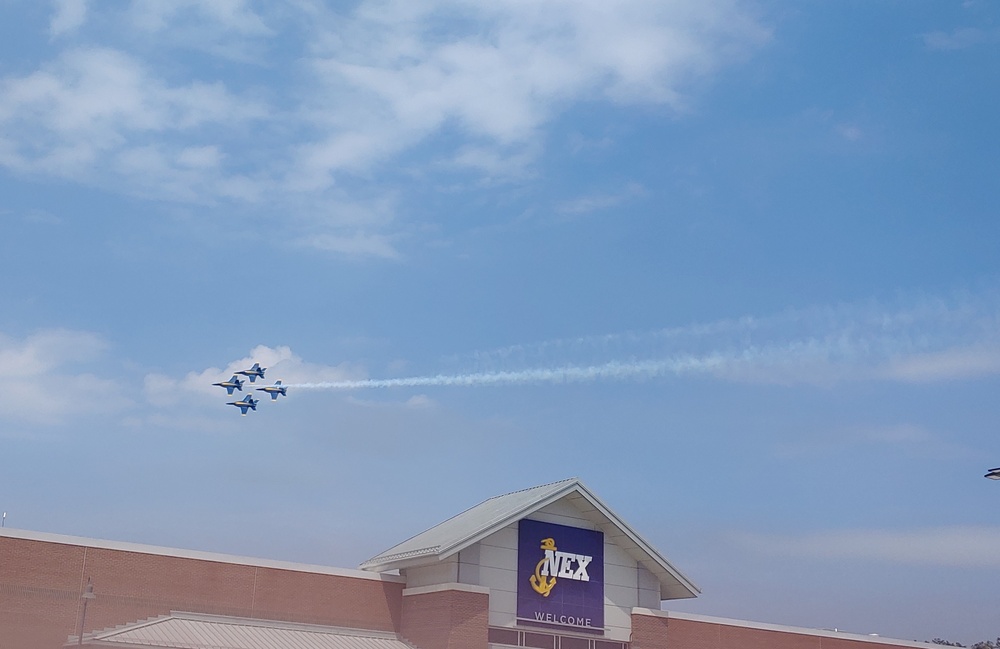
x=198, y=631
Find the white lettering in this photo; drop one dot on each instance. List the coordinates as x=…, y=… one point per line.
x=581, y=571
x=566, y=569
x=567, y=620
x=560, y=564
x=551, y=566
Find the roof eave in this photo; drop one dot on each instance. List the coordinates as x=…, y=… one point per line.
x=673, y=583
x=678, y=578
x=495, y=526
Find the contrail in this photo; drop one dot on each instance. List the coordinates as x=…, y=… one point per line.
x=614, y=370
x=925, y=340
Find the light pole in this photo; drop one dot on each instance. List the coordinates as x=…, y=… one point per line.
x=88, y=594
x=993, y=474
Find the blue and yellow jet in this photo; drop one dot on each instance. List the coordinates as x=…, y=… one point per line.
x=253, y=372
x=230, y=385
x=247, y=402
x=274, y=390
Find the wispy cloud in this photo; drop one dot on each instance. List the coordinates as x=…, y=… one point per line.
x=46, y=378
x=70, y=15
x=599, y=201
x=99, y=111
x=955, y=363
x=356, y=245
x=965, y=547
x=957, y=39
x=850, y=132
x=501, y=71
x=358, y=89
x=908, y=438
x=226, y=15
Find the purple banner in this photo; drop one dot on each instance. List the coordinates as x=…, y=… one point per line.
x=560, y=576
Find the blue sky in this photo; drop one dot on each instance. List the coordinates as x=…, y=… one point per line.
x=734, y=264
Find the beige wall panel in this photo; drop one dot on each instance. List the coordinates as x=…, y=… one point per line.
x=445, y=572
x=497, y=557
x=503, y=608
x=504, y=538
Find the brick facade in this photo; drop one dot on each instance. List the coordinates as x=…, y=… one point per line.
x=43, y=577
x=700, y=634
x=445, y=618
x=41, y=584
x=650, y=632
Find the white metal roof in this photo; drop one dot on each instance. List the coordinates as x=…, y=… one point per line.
x=198, y=631
x=473, y=525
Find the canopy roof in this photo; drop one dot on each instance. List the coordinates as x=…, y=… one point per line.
x=199, y=631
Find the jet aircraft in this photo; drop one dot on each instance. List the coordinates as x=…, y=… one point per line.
x=245, y=403
x=253, y=372
x=230, y=385
x=274, y=390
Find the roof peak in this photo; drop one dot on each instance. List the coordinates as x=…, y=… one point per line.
x=474, y=524
x=428, y=543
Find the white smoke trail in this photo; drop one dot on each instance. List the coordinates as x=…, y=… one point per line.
x=936, y=339
x=614, y=370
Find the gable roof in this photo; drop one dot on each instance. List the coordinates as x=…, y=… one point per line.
x=191, y=630
x=473, y=525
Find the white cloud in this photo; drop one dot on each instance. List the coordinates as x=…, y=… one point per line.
x=600, y=201
x=906, y=438
x=200, y=157
x=93, y=106
x=948, y=364
x=40, y=384
x=500, y=71
x=496, y=163
x=356, y=245
x=420, y=402
x=43, y=352
x=966, y=547
x=232, y=15
x=70, y=15
x=957, y=39
x=850, y=132
x=367, y=85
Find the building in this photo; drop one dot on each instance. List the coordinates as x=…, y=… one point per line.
x=551, y=567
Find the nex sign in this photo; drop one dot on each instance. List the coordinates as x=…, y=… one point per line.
x=564, y=585
x=565, y=564
x=554, y=563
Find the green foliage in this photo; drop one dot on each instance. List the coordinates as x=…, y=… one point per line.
x=985, y=644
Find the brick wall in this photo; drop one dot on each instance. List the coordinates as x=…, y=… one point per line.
x=650, y=632
x=41, y=583
x=696, y=634
x=445, y=619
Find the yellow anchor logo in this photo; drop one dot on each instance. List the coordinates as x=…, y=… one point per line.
x=540, y=585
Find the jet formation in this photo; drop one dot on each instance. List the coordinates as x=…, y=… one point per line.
x=248, y=402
